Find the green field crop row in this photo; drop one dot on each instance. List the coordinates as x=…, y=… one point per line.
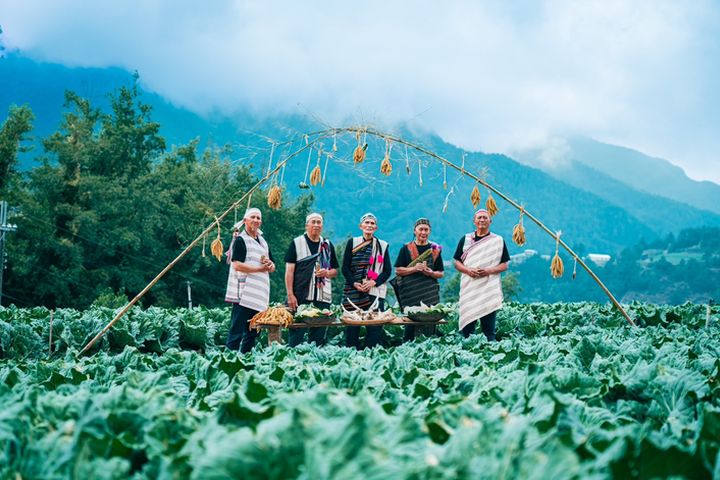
x=570, y=391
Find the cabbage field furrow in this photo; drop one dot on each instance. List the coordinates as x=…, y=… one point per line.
x=569, y=391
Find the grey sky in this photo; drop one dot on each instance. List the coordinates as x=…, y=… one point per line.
x=495, y=75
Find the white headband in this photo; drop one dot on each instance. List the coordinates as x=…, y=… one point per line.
x=250, y=211
x=366, y=216
x=313, y=215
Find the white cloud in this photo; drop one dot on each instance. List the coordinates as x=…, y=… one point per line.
x=492, y=75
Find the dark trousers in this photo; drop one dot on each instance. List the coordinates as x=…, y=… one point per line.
x=410, y=331
x=317, y=334
x=487, y=323
x=373, y=334
x=241, y=335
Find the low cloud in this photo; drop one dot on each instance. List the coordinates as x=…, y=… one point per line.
x=496, y=76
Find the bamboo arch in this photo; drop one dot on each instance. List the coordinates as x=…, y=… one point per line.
x=318, y=136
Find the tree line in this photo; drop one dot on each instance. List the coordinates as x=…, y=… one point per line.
x=109, y=205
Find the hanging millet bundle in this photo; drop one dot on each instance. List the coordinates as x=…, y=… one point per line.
x=518, y=234
x=359, y=153
x=316, y=174
x=274, y=198
x=386, y=166
x=491, y=206
x=475, y=197
x=556, y=266
x=216, y=247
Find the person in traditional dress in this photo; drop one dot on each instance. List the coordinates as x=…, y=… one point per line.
x=366, y=268
x=418, y=267
x=310, y=263
x=480, y=258
x=248, y=286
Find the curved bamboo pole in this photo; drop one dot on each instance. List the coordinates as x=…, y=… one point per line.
x=500, y=194
x=192, y=244
x=320, y=135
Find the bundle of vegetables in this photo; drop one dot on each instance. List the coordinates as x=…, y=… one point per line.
x=429, y=313
x=272, y=316
x=312, y=314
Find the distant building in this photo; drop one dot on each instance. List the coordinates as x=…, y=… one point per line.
x=599, y=259
x=519, y=258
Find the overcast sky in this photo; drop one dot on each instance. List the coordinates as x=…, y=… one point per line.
x=495, y=76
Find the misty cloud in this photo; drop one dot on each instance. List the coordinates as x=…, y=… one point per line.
x=496, y=76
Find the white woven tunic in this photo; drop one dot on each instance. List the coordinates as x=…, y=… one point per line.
x=483, y=295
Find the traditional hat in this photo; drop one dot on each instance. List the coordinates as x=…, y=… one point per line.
x=422, y=221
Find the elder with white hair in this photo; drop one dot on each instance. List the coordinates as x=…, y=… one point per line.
x=366, y=268
x=480, y=258
x=310, y=264
x=248, y=286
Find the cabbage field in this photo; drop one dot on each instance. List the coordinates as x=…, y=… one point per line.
x=568, y=391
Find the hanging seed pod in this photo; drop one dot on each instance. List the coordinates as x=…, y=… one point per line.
x=556, y=267
x=359, y=153
x=334, y=148
x=407, y=161
x=519, y=234
x=216, y=248
x=203, y=250
x=315, y=176
x=275, y=198
x=575, y=268
x=475, y=197
x=491, y=206
x=386, y=166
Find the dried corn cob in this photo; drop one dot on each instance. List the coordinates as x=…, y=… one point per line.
x=475, y=197
x=315, y=176
x=491, y=206
x=359, y=153
x=556, y=267
x=518, y=235
x=216, y=248
x=386, y=166
x=275, y=198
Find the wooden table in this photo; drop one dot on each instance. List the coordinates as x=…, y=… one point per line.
x=275, y=331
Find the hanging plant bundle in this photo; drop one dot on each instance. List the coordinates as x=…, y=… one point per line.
x=518, y=234
x=359, y=153
x=475, y=197
x=556, y=266
x=315, y=176
x=491, y=206
x=216, y=247
x=386, y=166
x=275, y=198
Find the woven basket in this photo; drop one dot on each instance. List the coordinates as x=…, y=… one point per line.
x=426, y=317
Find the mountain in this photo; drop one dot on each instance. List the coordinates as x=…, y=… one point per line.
x=644, y=173
x=588, y=219
x=652, y=210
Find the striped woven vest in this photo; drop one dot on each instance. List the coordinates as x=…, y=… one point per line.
x=380, y=291
x=303, y=251
x=251, y=290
